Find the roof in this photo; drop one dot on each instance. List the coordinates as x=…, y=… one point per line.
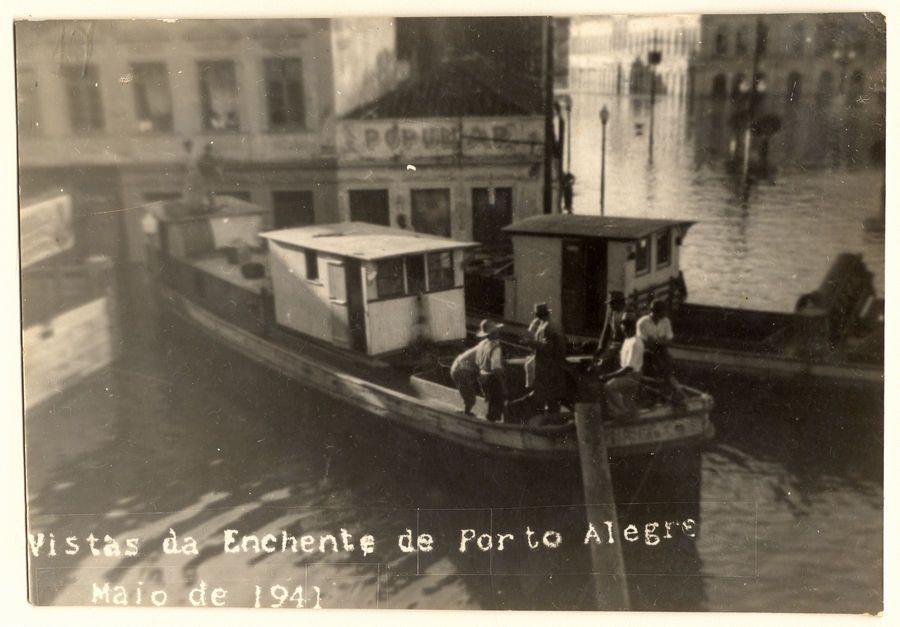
x=603, y=227
x=180, y=211
x=361, y=240
x=461, y=87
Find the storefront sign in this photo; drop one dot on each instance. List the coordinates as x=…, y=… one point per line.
x=389, y=140
x=46, y=229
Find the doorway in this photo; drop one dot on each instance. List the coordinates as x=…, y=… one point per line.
x=294, y=208
x=370, y=205
x=583, y=284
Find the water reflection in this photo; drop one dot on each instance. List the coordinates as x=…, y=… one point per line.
x=760, y=242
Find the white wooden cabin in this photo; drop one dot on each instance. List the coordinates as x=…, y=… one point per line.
x=571, y=262
x=367, y=287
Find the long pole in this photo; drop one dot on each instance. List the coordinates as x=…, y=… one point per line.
x=652, y=104
x=600, y=506
x=569, y=136
x=549, y=139
x=603, y=170
x=751, y=105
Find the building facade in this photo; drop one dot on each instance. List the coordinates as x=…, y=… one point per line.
x=111, y=112
x=611, y=54
x=817, y=57
x=451, y=153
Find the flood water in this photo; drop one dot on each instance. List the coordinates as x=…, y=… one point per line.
x=184, y=435
x=758, y=244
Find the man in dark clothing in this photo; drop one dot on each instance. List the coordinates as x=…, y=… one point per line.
x=549, y=361
x=464, y=372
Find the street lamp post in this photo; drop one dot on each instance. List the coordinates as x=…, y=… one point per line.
x=604, y=118
x=568, y=103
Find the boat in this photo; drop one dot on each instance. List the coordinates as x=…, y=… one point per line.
x=574, y=262
x=369, y=315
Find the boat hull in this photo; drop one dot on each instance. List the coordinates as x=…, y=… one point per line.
x=655, y=431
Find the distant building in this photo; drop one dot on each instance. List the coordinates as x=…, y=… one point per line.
x=456, y=151
x=105, y=109
x=610, y=54
x=802, y=57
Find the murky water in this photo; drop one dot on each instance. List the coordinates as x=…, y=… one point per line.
x=184, y=435
x=758, y=245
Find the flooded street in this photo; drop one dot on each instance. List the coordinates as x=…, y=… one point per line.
x=175, y=437
x=755, y=246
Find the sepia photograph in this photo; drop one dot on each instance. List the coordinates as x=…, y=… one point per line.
x=569, y=312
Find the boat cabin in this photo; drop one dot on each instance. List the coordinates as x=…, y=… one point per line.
x=572, y=262
x=366, y=287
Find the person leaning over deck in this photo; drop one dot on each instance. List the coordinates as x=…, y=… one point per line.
x=655, y=330
x=489, y=357
x=622, y=386
x=464, y=372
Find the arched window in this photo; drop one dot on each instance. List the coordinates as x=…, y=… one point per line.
x=719, y=87
x=740, y=42
x=792, y=89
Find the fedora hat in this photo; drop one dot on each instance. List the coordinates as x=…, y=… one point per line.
x=541, y=309
x=658, y=305
x=488, y=328
x=615, y=297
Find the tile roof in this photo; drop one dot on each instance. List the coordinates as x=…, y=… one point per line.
x=468, y=86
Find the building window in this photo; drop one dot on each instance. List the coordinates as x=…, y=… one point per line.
x=720, y=87
x=798, y=39
x=219, y=95
x=83, y=89
x=312, y=265
x=642, y=256
x=370, y=205
x=431, y=211
x=292, y=208
x=721, y=43
x=415, y=274
x=27, y=101
x=440, y=271
x=491, y=211
x=284, y=91
x=664, y=248
x=740, y=42
x=153, y=98
x=389, y=278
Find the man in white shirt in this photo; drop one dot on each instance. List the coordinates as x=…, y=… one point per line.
x=655, y=330
x=622, y=386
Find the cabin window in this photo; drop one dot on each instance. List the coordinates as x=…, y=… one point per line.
x=312, y=265
x=440, y=271
x=389, y=278
x=415, y=274
x=664, y=248
x=219, y=95
x=153, y=98
x=642, y=256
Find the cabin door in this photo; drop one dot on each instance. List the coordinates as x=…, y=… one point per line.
x=356, y=309
x=337, y=300
x=583, y=284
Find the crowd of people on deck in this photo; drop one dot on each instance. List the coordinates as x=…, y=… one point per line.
x=631, y=359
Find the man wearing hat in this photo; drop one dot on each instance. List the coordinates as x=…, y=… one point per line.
x=464, y=372
x=489, y=359
x=655, y=330
x=549, y=361
x=611, y=337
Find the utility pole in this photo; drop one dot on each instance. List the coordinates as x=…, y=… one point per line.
x=654, y=56
x=549, y=139
x=604, y=118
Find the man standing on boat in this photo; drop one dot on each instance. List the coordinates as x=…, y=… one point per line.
x=549, y=361
x=611, y=337
x=489, y=358
x=464, y=372
x=655, y=330
x=622, y=386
